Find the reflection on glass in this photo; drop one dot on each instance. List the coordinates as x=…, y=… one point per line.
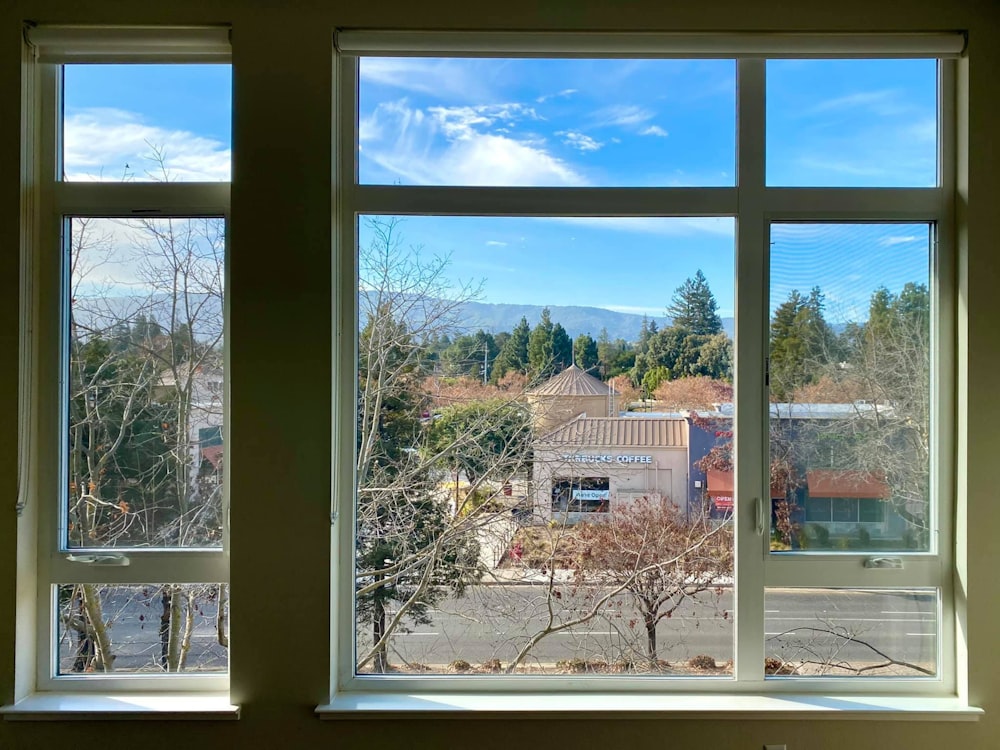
x=851, y=632
x=852, y=123
x=145, y=383
x=147, y=123
x=533, y=438
x=850, y=387
x=148, y=629
x=524, y=122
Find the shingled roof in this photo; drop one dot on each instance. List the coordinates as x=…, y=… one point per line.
x=572, y=382
x=619, y=432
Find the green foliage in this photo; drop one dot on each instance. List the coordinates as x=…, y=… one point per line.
x=513, y=355
x=550, y=349
x=693, y=308
x=479, y=438
x=585, y=352
x=802, y=344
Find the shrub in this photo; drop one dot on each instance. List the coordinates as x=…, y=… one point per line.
x=460, y=665
x=492, y=665
x=702, y=661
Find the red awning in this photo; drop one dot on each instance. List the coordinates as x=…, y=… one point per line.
x=720, y=484
x=838, y=483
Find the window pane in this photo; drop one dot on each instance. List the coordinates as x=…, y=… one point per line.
x=850, y=387
x=147, y=123
x=535, y=407
x=134, y=628
x=852, y=123
x=145, y=378
x=851, y=632
x=523, y=122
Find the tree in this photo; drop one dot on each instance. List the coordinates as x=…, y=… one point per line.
x=541, y=352
x=513, y=356
x=650, y=550
x=695, y=393
x=138, y=354
x=693, y=307
x=585, y=352
x=481, y=438
x=562, y=348
x=802, y=343
x=406, y=548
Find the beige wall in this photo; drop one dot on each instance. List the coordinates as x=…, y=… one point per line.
x=548, y=412
x=666, y=474
x=281, y=206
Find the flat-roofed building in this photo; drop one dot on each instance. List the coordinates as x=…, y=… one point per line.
x=589, y=467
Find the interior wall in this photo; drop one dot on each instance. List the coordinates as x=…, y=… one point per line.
x=279, y=451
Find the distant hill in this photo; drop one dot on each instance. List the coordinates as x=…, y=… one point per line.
x=575, y=319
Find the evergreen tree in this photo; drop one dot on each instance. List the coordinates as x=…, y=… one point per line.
x=693, y=307
x=585, y=352
x=541, y=356
x=513, y=356
x=562, y=348
x=802, y=345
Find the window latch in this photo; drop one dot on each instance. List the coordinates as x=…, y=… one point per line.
x=100, y=559
x=761, y=509
x=890, y=563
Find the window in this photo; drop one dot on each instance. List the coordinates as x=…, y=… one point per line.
x=131, y=492
x=464, y=186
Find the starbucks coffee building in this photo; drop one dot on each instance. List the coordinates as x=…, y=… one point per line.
x=592, y=466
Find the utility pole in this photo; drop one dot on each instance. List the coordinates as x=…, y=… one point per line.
x=486, y=359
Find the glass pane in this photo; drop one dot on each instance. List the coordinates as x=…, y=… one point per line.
x=146, y=383
x=852, y=123
x=142, y=628
x=147, y=123
x=851, y=632
x=523, y=122
x=850, y=387
x=538, y=424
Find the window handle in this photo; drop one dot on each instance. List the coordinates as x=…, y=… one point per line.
x=762, y=514
x=892, y=563
x=102, y=559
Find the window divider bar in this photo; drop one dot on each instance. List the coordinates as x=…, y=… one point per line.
x=869, y=204
x=133, y=200
x=750, y=445
x=544, y=201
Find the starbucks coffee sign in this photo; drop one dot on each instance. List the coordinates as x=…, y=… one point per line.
x=583, y=458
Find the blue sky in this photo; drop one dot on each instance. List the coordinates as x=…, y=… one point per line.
x=573, y=122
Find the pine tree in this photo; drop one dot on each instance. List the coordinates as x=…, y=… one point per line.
x=513, y=356
x=541, y=357
x=585, y=352
x=693, y=307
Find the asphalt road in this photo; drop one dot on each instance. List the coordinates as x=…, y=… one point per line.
x=495, y=622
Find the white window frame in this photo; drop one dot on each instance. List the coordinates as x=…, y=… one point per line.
x=45, y=425
x=756, y=206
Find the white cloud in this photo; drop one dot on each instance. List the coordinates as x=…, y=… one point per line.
x=453, y=78
x=100, y=142
x=667, y=226
x=467, y=145
x=882, y=102
x=654, y=130
x=565, y=92
x=579, y=141
x=496, y=243
x=621, y=115
x=890, y=241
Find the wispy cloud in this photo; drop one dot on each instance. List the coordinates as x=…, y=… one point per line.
x=654, y=130
x=467, y=145
x=495, y=243
x=560, y=94
x=621, y=115
x=578, y=140
x=442, y=77
x=666, y=226
x=112, y=144
x=890, y=241
x=881, y=102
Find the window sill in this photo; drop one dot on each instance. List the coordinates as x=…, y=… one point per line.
x=577, y=706
x=80, y=706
